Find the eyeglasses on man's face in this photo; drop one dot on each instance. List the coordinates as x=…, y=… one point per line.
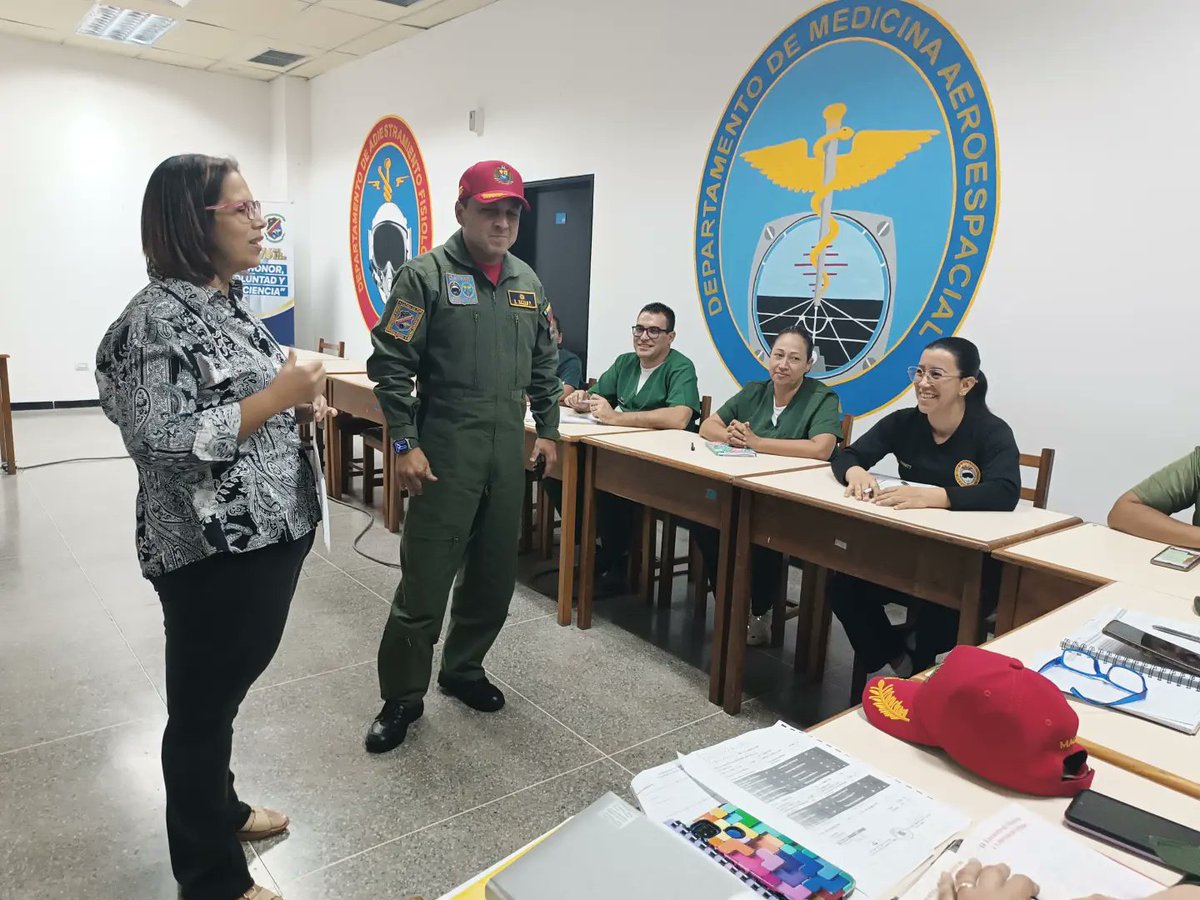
x=650, y=331
x=251, y=209
x=917, y=374
x=1076, y=672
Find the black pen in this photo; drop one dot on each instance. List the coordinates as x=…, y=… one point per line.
x=693, y=445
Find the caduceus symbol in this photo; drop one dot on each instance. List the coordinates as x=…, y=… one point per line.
x=790, y=166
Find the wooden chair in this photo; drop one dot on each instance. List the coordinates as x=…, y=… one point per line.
x=338, y=347
x=1043, y=466
x=8, y=452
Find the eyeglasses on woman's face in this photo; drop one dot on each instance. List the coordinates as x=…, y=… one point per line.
x=917, y=374
x=251, y=209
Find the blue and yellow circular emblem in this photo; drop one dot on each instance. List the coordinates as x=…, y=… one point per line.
x=850, y=189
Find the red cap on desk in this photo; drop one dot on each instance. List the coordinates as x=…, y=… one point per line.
x=992, y=716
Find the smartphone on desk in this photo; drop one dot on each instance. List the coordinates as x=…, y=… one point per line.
x=1125, y=826
x=1172, y=655
x=1177, y=558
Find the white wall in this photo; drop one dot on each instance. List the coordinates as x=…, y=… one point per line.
x=1087, y=314
x=82, y=132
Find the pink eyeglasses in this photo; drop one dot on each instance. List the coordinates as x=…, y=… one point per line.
x=251, y=209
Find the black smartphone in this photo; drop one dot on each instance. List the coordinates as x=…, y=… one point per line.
x=1177, y=558
x=1173, y=655
x=1123, y=825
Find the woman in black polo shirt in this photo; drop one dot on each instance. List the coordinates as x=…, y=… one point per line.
x=958, y=455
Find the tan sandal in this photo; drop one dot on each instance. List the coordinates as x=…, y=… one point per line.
x=258, y=892
x=263, y=823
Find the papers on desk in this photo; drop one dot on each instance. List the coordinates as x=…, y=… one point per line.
x=876, y=828
x=566, y=417
x=666, y=793
x=1172, y=696
x=1058, y=862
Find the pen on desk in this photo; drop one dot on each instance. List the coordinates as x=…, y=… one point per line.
x=693, y=445
x=1183, y=634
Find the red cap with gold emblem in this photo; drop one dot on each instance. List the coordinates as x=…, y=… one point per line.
x=991, y=715
x=490, y=181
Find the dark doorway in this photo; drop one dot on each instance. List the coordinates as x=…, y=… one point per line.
x=556, y=239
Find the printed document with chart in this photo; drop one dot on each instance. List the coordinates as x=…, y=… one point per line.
x=878, y=829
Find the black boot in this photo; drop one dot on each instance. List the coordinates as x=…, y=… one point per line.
x=391, y=725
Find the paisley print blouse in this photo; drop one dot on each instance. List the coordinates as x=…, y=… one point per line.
x=171, y=371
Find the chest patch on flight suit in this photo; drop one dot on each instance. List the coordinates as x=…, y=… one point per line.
x=403, y=322
x=461, y=289
x=522, y=299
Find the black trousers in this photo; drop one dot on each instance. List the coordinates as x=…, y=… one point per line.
x=223, y=617
x=766, y=567
x=615, y=521
x=860, y=607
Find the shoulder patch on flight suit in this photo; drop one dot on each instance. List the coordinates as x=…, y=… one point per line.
x=523, y=299
x=403, y=322
x=548, y=313
x=461, y=289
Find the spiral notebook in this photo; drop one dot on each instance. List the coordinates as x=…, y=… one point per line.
x=1173, y=696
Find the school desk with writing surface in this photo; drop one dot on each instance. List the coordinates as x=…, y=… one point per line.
x=933, y=772
x=354, y=395
x=1157, y=745
x=1041, y=575
x=334, y=365
x=934, y=554
x=673, y=472
x=566, y=469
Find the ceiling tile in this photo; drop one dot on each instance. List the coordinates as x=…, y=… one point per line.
x=251, y=47
x=210, y=41
x=378, y=39
x=320, y=27
x=60, y=14
x=33, y=32
x=104, y=46
x=246, y=16
x=229, y=68
x=321, y=64
x=376, y=9
x=444, y=11
x=170, y=58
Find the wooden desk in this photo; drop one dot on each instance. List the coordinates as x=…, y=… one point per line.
x=570, y=454
x=937, y=555
x=936, y=774
x=334, y=365
x=8, y=450
x=1155, y=744
x=1041, y=575
x=674, y=472
x=352, y=395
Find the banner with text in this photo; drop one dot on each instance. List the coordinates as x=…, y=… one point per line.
x=269, y=288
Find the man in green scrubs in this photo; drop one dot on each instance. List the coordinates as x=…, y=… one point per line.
x=652, y=387
x=570, y=366
x=469, y=324
x=1148, y=509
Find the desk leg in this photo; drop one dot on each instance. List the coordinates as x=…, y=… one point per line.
x=739, y=609
x=970, y=614
x=666, y=565
x=646, y=568
x=587, y=540
x=333, y=457
x=1010, y=590
x=724, y=594
x=569, y=456
x=8, y=452
x=819, y=619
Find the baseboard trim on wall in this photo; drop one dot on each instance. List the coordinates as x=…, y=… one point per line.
x=56, y=404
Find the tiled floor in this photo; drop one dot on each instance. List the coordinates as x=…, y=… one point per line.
x=81, y=707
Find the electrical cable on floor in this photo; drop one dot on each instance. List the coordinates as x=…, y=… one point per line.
x=370, y=515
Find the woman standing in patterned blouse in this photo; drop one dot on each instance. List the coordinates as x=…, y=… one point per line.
x=227, y=505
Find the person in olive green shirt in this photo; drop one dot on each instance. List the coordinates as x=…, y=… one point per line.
x=1147, y=510
x=652, y=387
x=468, y=326
x=570, y=366
x=788, y=415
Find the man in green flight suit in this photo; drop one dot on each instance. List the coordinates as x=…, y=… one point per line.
x=652, y=387
x=469, y=322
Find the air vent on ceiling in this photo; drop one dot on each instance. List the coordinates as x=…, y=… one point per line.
x=400, y=2
x=127, y=26
x=279, y=58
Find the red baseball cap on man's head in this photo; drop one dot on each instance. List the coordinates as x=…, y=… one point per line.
x=991, y=715
x=491, y=181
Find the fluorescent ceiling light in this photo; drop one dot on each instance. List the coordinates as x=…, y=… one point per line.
x=127, y=26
